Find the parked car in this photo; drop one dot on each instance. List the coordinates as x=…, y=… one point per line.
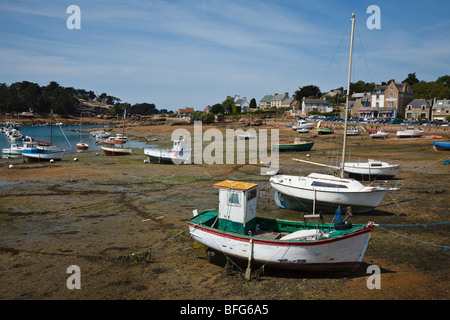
x=395, y=121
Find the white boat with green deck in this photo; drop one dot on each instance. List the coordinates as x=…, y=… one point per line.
x=236, y=231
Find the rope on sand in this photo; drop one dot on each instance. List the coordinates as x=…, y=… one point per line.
x=446, y=248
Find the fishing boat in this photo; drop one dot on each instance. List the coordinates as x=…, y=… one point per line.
x=353, y=132
x=16, y=150
x=298, y=145
x=410, y=132
x=116, y=150
x=107, y=141
x=441, y=146
x=120, y=139
x=179, y=154
x=371, y=168
x=325, y=192
x=236, y=231
x=302, y=124
x=82, y=146
x=37, y=154
x=379, y=134
x=323, y=131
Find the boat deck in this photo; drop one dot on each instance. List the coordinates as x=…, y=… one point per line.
x=273, y=229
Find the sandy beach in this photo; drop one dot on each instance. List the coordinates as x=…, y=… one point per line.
x=123, y=222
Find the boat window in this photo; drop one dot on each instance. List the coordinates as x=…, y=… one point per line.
x=327, y=185
x=375, y=165
x=233, y=199
x=251, y=194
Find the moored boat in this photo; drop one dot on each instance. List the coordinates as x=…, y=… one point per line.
x=37, y=154
x=410, y=132
x=379, y=134
x=82, y=146
x=236, y=231
x=371, y=168
x=353, y=132
x=303, y=125
x=322, y=131
x=298, y=145
x=179, y=154
x=16, y=150
x=441, y=146
x=115, y=150
x=326, y=192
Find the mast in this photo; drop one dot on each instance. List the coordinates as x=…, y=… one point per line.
x=347, y=96
x=51, y=127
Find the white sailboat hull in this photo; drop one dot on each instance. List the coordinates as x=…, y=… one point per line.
x=372, y=168
x=325, y=193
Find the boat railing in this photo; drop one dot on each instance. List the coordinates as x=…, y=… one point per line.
x=390, y=185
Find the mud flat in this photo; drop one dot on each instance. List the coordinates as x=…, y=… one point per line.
x=124, y=223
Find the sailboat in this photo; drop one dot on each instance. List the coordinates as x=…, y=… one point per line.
x=81, y=145
x=325, y=192
x=117, y=149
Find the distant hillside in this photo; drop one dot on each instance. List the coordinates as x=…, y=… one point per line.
x=30, y=98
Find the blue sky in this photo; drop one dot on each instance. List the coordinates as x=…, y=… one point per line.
x=191, y=53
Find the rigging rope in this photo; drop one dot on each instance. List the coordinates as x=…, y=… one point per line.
x=446, y=248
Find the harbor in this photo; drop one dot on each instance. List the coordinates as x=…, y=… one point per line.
x=124, y=222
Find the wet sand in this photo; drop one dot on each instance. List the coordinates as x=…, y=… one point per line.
x=124, y=223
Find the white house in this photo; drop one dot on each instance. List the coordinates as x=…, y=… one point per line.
x=317, y=105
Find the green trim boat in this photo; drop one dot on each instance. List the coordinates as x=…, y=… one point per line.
x=321, y=131
x=298, y=145
x=236, y=231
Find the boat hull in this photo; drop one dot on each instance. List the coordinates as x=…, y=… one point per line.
x=43, y=154
x=379, y=135
x=300, y=196
x=441, y=146
x=369, y=169
x=339, y=254
x=410, y=133
x=294, y=147
x=166, y=156
x=82, y=146
x=116, y=151
x=325, y=131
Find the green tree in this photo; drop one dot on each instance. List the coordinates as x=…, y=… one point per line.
x=227, y=104
x=430, y=90
x=411, y=79
x=445, y=80
x=309, y=91
x=217, y=108
x=253, y=104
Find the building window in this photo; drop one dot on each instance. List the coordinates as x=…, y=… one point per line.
x=391, y=94
x=409, y=115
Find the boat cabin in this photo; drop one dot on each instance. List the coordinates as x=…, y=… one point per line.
x=237, y=206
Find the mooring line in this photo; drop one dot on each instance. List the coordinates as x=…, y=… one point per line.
x=446, y=248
